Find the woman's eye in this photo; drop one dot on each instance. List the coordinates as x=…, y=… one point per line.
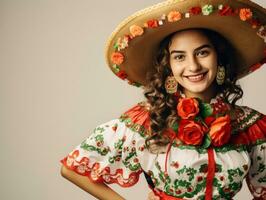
x=202, y=53
x=179, y=57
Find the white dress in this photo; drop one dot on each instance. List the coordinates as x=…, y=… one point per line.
x=115, y=152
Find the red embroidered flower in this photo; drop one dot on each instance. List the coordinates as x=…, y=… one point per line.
x=195, y=10
x=245, y=14
x=226, y=11
x=122, y=74
x=153, y=23
x=117, y=58
x=187, y=108
x=220, y=131
x=190, y=132
x=175, y=164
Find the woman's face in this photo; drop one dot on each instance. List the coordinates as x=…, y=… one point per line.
x=193, y=61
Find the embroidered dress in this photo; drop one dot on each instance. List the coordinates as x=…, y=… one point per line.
x=116, y=153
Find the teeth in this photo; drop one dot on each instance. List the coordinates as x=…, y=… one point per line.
x=196, y=78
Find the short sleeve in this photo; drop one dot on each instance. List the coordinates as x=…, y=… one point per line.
x=109, y=154
x=256, y=178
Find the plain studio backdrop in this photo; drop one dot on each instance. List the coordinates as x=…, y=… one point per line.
x=56, y=87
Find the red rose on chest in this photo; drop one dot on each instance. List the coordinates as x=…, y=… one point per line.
x=187, y=108
x=220, y=130
x=190, y=132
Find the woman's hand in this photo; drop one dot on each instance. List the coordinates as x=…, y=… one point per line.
x=152, y=196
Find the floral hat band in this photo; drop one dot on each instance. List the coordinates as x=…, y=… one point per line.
x=133, y=44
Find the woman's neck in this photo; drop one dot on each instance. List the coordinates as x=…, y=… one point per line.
x=205, y=96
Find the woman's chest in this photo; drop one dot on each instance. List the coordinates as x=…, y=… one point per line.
x=183, y=172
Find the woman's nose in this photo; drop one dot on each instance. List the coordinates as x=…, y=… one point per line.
x=194, y=65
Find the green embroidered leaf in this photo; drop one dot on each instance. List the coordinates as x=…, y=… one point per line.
x=205, y=110
x=206, y=141
x=175, y=127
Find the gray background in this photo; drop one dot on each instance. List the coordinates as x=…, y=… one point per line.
x=55, y=88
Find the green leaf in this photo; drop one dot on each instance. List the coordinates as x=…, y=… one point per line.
x=206, y=142
x=205, y=110
x=175, y=127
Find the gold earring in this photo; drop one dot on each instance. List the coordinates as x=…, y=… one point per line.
x=170, y=85
x=220, y=76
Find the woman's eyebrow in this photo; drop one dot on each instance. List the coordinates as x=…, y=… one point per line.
x=197, y=49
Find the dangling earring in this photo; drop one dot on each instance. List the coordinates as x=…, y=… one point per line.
x=170, y=85
x=220, y=76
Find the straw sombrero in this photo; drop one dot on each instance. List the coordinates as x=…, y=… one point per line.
x=132, y=45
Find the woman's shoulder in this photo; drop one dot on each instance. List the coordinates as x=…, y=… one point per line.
x=249, y=125
x=245, y=117
x=137, y=118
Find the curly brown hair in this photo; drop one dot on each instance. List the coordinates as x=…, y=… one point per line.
x=163, y=105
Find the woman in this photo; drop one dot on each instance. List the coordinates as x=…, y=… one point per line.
x=189, y=138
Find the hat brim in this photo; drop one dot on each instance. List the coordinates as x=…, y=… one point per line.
x=140, y=53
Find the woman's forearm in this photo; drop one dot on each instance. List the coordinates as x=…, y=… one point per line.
x=98, y=190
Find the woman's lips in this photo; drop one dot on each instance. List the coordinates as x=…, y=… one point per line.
x=196, y=78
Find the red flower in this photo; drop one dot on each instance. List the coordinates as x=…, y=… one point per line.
x=122, y=74
x=153, y=23
x=195, y=10
x=117, y=58
x=209, y=120
x=187, y=108
x=226, y=11
x=220, y=131
x=245, y=14
x=190, y=132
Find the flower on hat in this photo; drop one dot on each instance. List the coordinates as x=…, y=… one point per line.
x=174, y=16
x=117, y=58
x=245, y=14
x=153, y=23
x=207, y=9
x=122, y=74
x=226, y=11
x=195, y=10
x=136, y=30
x=122, y=43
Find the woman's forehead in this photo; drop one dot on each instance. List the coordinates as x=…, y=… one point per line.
x=189, y=39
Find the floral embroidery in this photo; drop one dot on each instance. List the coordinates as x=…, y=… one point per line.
x=174, y=16
x=226, y=10
x=195, y=10
x=122, y=74
x=245, y=14
x=136, y=30
x=207, y=9
x=153, y=23
x=117, y=58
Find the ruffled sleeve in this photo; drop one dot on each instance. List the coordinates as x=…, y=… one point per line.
x=110, y=153
x=256, y=178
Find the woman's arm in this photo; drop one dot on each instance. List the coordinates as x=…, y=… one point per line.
x=98, y=190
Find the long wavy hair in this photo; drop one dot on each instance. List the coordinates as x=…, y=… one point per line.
x=163, y=111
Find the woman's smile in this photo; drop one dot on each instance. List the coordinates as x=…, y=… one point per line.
x=196, y=78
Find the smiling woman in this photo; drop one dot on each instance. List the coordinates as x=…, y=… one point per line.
x=189, y=138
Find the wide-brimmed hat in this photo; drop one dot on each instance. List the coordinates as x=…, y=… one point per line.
x=134, y=43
